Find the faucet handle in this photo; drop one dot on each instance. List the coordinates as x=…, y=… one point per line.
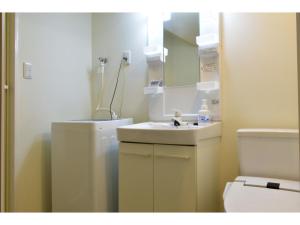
x=177, y=112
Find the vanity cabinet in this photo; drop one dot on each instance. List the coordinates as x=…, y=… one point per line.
x=168, y=178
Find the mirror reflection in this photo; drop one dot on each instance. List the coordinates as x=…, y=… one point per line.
x=182, y=61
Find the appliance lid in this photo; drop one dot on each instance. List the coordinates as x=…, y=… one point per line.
x=255, y=194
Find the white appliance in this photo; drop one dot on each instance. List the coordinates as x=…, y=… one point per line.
x=270, y=172
x=84, y=160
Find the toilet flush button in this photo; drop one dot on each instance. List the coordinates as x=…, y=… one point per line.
x=273, y=185
x=27, y=70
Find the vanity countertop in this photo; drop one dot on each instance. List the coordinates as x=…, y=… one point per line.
x=166, y=133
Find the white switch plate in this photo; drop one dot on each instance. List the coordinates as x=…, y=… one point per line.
x=27, y=70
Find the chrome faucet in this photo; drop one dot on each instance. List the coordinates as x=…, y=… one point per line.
x=177, y=120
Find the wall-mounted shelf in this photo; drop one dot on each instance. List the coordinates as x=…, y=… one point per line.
x=208, y=53
x=153, y=90
x=155, y=53
x=208, y=44
x=207, y=41
x=208, y=86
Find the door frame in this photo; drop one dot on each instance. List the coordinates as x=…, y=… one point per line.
x=7, y=93
x=298, y=75
x=2, y=113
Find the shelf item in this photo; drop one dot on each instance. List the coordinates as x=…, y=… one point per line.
x=207, y=41
x=208, y=86
x=155, y=53
x=208, y=53
x=152, y=90
x=208, y=44
x=209, y=67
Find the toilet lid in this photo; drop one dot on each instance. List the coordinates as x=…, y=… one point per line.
x=255, y=194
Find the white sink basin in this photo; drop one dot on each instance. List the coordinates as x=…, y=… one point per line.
x=166, y=133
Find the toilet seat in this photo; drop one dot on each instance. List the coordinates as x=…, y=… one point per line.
x=251, y=194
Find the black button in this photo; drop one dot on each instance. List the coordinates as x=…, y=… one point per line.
x=273, y=185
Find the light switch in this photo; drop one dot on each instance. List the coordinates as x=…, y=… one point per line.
x=27, y=70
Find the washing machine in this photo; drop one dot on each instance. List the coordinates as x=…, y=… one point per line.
x=84, y=165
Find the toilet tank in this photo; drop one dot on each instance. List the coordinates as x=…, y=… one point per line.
x=272, y=153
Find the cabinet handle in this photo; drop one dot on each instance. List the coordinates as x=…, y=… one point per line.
x=174, y=156
x=136, y=154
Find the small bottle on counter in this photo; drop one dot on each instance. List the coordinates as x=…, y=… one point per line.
x=204, y=113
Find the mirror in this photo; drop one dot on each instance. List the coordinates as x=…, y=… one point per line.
x=182, y=66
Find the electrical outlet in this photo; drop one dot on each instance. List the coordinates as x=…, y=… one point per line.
x=127, y=57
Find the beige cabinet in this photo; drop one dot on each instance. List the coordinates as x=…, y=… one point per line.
x=174, y=178
x=168, y=178
x=135, y=177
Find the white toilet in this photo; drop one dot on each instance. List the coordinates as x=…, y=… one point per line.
x=270, y=172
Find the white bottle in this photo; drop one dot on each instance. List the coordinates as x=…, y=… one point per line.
x=204, y=113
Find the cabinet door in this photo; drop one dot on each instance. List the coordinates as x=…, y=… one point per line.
x=136, y=177
x=174, y=178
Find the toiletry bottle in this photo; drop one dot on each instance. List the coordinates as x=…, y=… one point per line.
x=204, y=113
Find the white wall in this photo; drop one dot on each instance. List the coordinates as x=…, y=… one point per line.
x=112, y=33
x=59, y=48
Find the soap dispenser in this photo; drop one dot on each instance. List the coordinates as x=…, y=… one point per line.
x=204, y=113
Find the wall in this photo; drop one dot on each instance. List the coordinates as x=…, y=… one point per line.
x=113, y=33
x=59, y=48
x=259, y=79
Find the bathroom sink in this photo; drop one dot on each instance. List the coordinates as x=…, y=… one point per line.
x=161, y=126
x=166, y=133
